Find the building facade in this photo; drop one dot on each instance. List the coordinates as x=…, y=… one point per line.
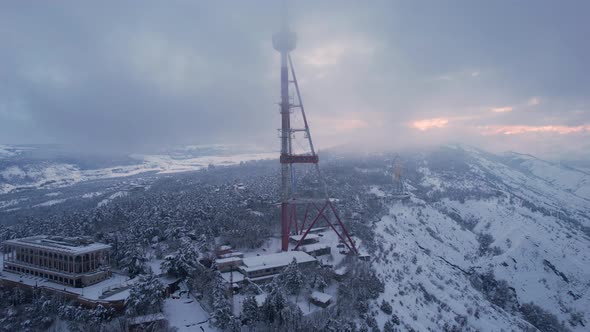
x=74, y=261
x=266, y=266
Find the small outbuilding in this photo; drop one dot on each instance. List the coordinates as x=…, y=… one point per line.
x=309, y=239
x=320, y=299
x=317, y=249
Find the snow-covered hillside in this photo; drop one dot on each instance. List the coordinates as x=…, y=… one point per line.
x=483, y=234
x=562, y=176
x=8, y=151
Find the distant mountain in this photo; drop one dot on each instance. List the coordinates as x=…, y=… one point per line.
x=42, y=167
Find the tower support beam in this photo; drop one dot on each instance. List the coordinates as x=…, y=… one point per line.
x=284, y=42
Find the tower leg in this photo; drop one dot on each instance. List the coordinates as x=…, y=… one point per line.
x=285, y=226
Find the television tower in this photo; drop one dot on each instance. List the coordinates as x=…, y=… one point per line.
x=399, y=189
x=284, y=42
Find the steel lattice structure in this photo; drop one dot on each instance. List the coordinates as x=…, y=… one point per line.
x=284, y=42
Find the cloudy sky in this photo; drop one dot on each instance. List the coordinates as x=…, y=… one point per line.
x=502, y=75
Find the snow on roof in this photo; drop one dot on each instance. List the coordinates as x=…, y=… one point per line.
x=232, y=254
x=275, y=260
x=321, y=297
x=318, y=229
x=236, y=277
x=228, y=260
x=314, y=247
x=341, y=271
x=260, y=299
x=225, y=247
x=308, y=237
x=70, y=245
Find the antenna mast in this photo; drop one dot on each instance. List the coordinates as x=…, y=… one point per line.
x=284, y=42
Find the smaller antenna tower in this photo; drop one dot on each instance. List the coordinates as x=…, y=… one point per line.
x=399, y=189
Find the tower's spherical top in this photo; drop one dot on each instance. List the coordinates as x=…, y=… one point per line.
x=284, y=41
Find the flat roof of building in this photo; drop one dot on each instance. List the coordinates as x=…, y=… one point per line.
x=228, y=260
x=309, y=237
x=70, y=245
x=232, y=254
x=275, y=260
x=321, y=297
x=314, y=247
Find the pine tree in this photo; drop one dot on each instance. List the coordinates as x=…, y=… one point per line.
x=134, y=260
x=250, y=312
x=291, y=318
x=292, y=278
x=388, y=327
x=101, y=314
x=146, y=296
x=184, y=263
x=222, y=312
x=273, y=304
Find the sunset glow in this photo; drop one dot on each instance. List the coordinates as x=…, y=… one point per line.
x=427, y=124
x=515, y=130
x=501, y=109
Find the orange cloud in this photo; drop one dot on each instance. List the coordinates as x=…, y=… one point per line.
x=515, y=130
x=427, y=124
x=501, y=109
x=534, y=101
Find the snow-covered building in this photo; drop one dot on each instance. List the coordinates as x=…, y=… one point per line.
x=223, y=250
x=232, y=254
x=320, y=299
x=317, y=249
x=340, y=273
x=72, y=261
x=228, y=264
x=310, y=238
x=268, y=265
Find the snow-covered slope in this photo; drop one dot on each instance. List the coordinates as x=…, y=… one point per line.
x=9, y=151
x=471, y=213
x=562, y=176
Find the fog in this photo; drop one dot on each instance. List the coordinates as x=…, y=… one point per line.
x=123, y=76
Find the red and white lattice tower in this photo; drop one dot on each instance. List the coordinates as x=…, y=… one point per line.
x=284, y=42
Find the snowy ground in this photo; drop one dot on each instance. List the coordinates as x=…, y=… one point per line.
x=375, y=190
x=155, y=266
x=425, y=291
x=187, y=315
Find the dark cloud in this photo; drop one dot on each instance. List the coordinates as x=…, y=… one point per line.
x=141, y=73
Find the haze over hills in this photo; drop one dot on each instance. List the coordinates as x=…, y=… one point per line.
x=482, y=240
